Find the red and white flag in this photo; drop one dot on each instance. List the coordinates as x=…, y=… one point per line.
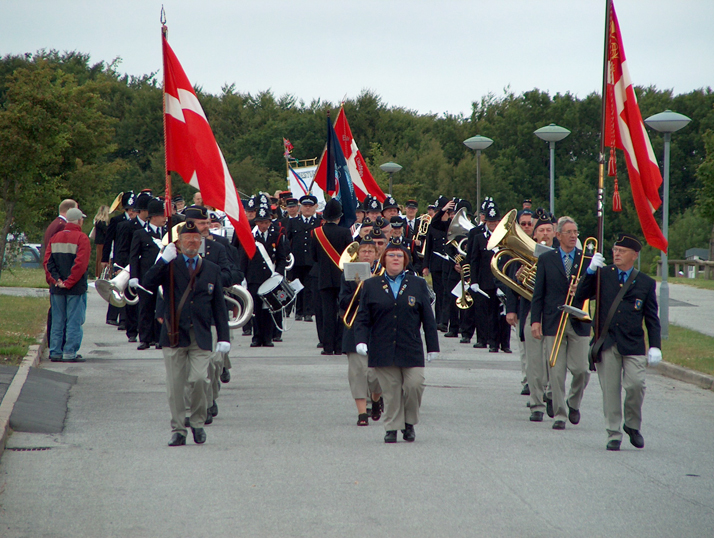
x=362, y=179
x=192, y=151
x=626, y=131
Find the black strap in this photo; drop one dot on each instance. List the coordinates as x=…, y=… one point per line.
x=594, y=353
x=173, y=339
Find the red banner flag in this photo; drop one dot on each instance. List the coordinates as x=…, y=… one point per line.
x=362, y=179
x=626, y=131
x=192, y=151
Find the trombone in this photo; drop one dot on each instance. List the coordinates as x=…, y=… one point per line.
x=589, y=248
x=424, y=222
x=351, y=313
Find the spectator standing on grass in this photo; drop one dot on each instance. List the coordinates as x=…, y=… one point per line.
x=98, y=234
x=66, y=261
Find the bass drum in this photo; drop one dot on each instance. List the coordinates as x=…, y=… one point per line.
x=276, y=293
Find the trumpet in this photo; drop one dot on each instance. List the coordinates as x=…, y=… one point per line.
x=589, y=248
x=424, y=222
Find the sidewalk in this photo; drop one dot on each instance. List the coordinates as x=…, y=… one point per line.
x=691, y=308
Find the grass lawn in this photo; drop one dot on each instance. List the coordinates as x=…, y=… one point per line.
x=19, y=277
x=21, y=322
x=693, y=282
x=690, y=349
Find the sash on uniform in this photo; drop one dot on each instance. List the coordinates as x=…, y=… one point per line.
x=327, y=246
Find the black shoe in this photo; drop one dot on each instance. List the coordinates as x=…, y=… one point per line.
x=247, y=332
x=325, y=352
x=159, y=346
x=213, y=410
x=493, y=350
x=480, y=345
x=112, y=322
x=613, y=445
x=636, y=438
x=377, y=409
x=320, y=345
x=121, y=327
x=187, y=422
x=573, y=415
x=465, y=340
x=537, y=416
x=225, y=376
x=451, y=334
x=255, y=344
x=363, y=419
x=549, y=406
x=559, y=425
x=391, y=436
x=199, y=436
x=308, y=319
x=268, y=344
x=278, y=339
x=56, y=359
x=298, y=318
x=177, y=440
x=442, y=328
x=77, y=358
x=526, y=390
x=143, y=346
x=506, y=350
x=132, y=339
x=408, y=433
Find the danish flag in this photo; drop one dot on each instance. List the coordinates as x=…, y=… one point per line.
x=192, y=151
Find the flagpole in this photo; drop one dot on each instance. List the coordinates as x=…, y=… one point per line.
x=173, y=322
x=601, y=166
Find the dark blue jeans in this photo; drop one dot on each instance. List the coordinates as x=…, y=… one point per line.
x=68, y=313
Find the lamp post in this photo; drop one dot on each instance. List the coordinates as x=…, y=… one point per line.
x=390, y=168
x=552, y=133
x=666, y=122
x=478, y=143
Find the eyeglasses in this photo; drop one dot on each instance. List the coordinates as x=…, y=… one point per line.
x=570, y=232
x=395, y=255
x=527, y=223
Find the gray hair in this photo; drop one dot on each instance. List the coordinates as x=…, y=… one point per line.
x=562, y=221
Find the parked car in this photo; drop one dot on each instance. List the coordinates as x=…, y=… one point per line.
x=31, y=257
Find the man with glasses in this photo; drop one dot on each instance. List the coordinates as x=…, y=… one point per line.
x=556, y=270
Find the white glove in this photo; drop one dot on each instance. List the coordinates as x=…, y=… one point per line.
x=169, y=253
x=432, y=355
x=654, y=356
x=223, y=347
x=500, y=293
x=597, y=262
x=362, y=349
x=133, y=282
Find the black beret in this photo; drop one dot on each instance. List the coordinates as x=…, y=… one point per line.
x=189, y=228
x=367, y=240
x=196, y=212
x=628, y=241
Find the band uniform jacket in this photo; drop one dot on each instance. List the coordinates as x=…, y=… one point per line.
x=215, y=252
x=550, y=292
x=434, y=255
x=391, y=327
x=204, y=305
x=144, y=251
x=299, y=236
x=256, y=271
x=328, y=274
x=110, y=238
x=232, y=255
x=638, y=304
x=122, y=241
x=480, y=259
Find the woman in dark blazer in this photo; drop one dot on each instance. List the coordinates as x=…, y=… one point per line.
x=392, y=310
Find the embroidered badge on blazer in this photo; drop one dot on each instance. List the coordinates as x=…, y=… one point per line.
x=412, y=300
x=638, y=304
x=210, y=288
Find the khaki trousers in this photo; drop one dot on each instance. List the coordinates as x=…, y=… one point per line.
x=363, y=380
x=523, y=356
x=215, y=368
x=572, y=356
x=536, y=368
x=402, y=389
x=186, y=366
x=616, y=372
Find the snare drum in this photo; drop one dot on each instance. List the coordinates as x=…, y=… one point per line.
x=276, y=293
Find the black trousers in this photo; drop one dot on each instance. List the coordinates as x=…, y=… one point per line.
x=304, y=301
x=454, y=311
x=438, y=283
x=480, y=317
x=132, y=320
x=467, y=321
x=148, y=326
x=317, y=308
x=114, y=313
x=331, y=327
x=262, y=321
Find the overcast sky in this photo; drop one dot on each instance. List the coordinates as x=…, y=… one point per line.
x=429, y=56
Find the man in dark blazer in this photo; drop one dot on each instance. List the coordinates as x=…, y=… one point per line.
x=145, y=247
x=272, y=251
x=329, y=240
x=623, y=357
x=556, y=270
x=116, y=315
x=198, y=304
x=299, y=237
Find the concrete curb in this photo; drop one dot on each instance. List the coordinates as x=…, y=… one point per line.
x=31, y=360
x=685, y=374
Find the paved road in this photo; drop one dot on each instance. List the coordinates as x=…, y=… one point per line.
x=692, y=308
x=285, y=458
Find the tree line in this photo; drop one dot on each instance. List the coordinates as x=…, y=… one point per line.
x=73, y=128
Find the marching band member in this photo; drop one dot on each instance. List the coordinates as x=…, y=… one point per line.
x=372, y=207
x=434, y=258
x=551, y=291
x=362, y=380
x=390, y=208
x=393, y=308
x=299, y=236
x=198, y=305
x=410, y=232
x=116, y=315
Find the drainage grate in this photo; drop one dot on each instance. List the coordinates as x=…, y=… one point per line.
x=29, y=449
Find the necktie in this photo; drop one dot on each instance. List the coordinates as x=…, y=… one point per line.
x=568, y=265
x=623, y=277
x=190, y=266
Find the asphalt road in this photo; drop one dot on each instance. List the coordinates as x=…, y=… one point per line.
x=285, y=458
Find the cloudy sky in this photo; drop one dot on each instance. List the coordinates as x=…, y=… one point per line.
x=430, y=56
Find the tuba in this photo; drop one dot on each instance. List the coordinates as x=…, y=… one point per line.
x=114, y=291
x=240, y=306
x=349, y=255
x=510, y=240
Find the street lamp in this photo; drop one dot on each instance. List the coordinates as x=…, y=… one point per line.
x=552, y=133
x=390, y=168
x=666, y=122
x=478, y=143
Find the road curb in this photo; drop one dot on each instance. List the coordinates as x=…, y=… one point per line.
x=685, y=374
x=31, y=360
